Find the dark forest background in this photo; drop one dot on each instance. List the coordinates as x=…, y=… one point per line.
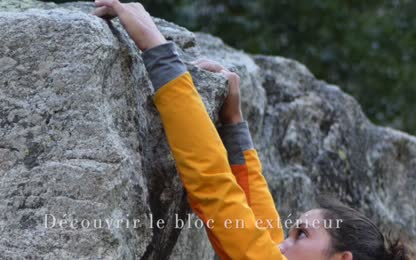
x=365, y=47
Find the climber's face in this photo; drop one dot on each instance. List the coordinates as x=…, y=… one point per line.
x=308, y=239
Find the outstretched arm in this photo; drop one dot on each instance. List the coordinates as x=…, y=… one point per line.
x=213, y=191
x=242, y=156
x=200, y=155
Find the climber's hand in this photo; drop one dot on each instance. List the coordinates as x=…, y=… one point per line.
x=135, y=19
x=230, y=112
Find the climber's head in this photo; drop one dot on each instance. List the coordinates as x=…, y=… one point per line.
x=334, y=231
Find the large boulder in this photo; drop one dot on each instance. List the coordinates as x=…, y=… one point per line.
x=81, y=141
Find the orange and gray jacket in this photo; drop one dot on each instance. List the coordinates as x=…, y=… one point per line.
x=220, y=170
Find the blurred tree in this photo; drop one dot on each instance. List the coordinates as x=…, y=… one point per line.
x=366, y=47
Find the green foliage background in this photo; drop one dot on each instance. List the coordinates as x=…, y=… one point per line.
x=366, y=47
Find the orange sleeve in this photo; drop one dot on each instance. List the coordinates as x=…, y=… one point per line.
x=246, y=167
x=250, y=178
x=212, y=189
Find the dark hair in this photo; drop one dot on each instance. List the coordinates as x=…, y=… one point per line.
x=358, y=234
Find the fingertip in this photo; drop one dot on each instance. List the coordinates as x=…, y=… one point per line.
x=100, y=3
x=103, y=12
x=94, y=12
x=197, y=61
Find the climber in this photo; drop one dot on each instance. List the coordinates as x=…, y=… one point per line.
x=221, y=171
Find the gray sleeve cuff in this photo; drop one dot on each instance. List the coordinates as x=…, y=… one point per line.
x=163, y=64
x=236, y=139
